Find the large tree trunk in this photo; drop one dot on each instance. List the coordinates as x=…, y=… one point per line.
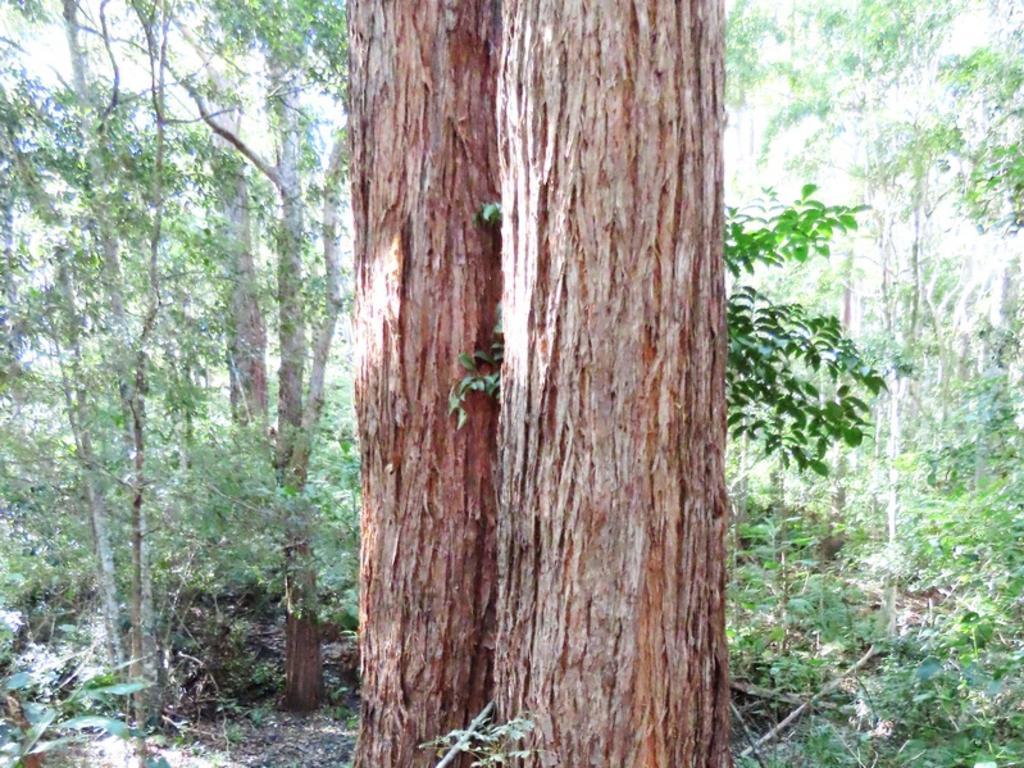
x=612, y=501
x=428, y=284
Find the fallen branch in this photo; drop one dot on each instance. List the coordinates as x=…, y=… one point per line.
x=793, y=716
x=746, y=732
x=759, y=692
x=463, y=742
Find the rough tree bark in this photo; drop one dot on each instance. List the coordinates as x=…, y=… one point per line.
x=612, y=500
x=428, y=281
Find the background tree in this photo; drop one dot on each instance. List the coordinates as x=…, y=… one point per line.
x=871, y=100
x=130, y=226
x=300, y=396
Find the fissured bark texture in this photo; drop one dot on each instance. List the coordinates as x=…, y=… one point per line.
x=424, y=159
x=612, y=497
x=304, y=686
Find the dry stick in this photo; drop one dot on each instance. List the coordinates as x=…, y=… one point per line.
x=759, y=692
x=746, y=732
x=793, y=716
x=457, y=747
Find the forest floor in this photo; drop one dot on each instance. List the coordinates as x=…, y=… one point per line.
x=279, y=741
x=251, y=732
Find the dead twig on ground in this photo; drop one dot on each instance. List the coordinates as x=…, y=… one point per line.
x=746, y=732
x=795, y=715
x=759, y=692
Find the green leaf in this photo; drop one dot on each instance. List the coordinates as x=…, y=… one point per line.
x=17, y=681
x=929, y=668
x=819, y=467
x=50, y=745
x=39, y=715
x=833, y=411
x=490, y=214
x=853, y=437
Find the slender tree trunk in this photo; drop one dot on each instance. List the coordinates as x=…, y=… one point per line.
x=890, y=276
x=247, y=344
x=612, y=504
x=9, y=322
x=296, y=420
x=324, y=337
x=892, y=507
x=144, y=628
x=142, y=637
x=247, y=332
x=304, y=689
x=992, y=363
x=832, y=542
x=129, y=353
x=76, y=404
x=106, y=577
x=291, y=238
x=428, y=280
x=303, y=673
